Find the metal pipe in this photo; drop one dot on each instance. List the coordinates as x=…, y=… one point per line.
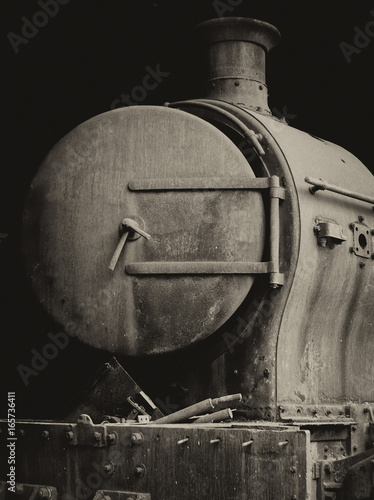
x=217, y=416
x=319, y=184
x=182, y=415
x=206, y=406
x=235, y=51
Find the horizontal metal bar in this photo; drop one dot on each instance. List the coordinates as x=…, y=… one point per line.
x=200, y=268
x=206, y=183
x=323, y=185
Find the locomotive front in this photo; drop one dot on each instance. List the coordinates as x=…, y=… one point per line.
x=226, y=250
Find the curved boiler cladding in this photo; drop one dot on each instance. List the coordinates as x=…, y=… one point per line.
x=220, y=252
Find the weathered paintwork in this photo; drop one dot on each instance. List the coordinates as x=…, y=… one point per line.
x=79, y=198
x=180, y=461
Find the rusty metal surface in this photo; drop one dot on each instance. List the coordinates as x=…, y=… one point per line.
x=71, y=230
x=244, y=358
x=171, y=462
x=326, y=342
x=235, y=51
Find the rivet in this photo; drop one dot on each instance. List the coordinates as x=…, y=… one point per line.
x=140, y=470
x=283, y=443
x=45, y=434
x=136, y=438
x=247, y=443
x=112, y=438
x=354, y=447
x=293, y=469
x=237, y=84
x=362, y=264
x=70, y=435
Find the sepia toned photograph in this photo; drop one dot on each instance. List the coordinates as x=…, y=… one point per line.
x=187, y=250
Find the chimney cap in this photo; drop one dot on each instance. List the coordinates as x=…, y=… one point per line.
x=239, y=28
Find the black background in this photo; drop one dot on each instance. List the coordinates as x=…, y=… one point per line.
x=93, y=51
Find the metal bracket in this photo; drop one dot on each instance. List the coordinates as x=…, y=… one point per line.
x=86, y=433
x=276, y=192
x=362, y=244
x=28, y=492
x=329, y=232
x=352, y=475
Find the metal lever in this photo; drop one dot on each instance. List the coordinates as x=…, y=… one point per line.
x=128, y=228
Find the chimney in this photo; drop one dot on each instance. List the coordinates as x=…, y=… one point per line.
x=235, y=55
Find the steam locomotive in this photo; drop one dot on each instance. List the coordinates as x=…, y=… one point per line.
x=228, y=256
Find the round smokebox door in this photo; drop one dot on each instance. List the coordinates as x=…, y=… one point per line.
x=133, y=236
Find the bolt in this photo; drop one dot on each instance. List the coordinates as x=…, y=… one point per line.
x=281, y=409
x=361, y=218
x=97, y=436
x=237, y=84
x=362, y=264
x=323, y=242
x=266, y=373
x=351, y=225
x=327, y=468
x=45, y=434
x=70, y=435
x=136, y=438
x=112, y=438
x=372, y=232
x=109, y=468
x=355, y=447
x=354, y=428
x=328, y=412
x=326, y=448
x=43, y=493
x=314, y=412
x=293, y=469
x=351, y=249
x=139, y=470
